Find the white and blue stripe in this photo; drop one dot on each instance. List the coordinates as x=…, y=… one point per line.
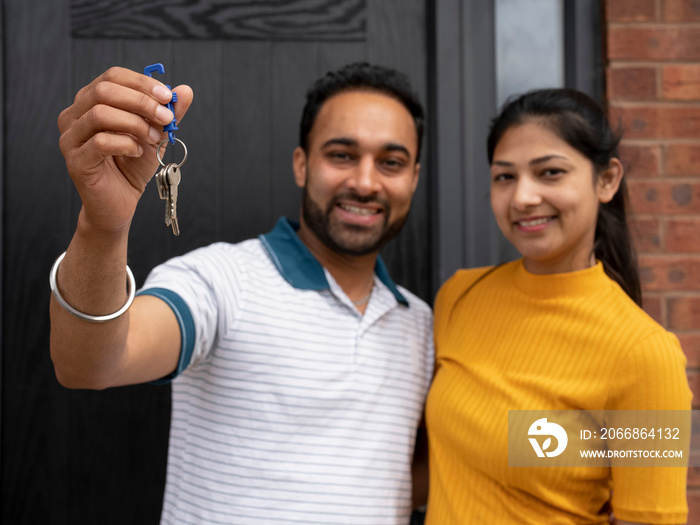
x=293, y=408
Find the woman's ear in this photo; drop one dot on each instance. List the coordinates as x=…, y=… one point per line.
x=609, y=180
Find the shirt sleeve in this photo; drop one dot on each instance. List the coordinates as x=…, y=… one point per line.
x=194, y=286
x=651, y=376
x=187, y=329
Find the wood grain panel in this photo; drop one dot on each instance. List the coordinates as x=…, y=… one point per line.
x=2, y=178
x=97, y=422
x=334, y=55
x=198, y=64
x=400, y=42
x=76, y=457
x=293, y=71
x=35, y=211
x=311, y=20
x=244, y=139
x=117, y=455
x=90, y=59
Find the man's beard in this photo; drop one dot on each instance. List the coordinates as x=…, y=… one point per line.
x=349, y=239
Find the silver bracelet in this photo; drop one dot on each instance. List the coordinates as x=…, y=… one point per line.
x=81, y=315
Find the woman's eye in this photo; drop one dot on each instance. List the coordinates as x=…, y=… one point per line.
x=550, y=172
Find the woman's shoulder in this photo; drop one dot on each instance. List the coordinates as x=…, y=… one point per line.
x=646, y=340
x=468, y=277
x=621, y=309
x=462, y=281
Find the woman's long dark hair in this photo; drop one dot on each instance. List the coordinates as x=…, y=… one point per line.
x=581, y=122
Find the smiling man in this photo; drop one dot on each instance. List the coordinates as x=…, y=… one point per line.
x=299, y=368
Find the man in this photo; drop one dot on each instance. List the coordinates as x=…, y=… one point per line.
x=299, y=368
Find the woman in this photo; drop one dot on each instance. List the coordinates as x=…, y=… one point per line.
x=559, y=329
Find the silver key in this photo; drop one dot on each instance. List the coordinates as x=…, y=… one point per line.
x=164, y=191
x=167, y=181
x=173, y=176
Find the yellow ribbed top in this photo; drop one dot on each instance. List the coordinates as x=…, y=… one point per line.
x=519, y=341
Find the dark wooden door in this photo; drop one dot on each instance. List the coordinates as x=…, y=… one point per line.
x=77, y=457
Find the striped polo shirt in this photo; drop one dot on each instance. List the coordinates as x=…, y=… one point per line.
x=288, y=405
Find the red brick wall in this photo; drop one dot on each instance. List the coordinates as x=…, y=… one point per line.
x=653, y=89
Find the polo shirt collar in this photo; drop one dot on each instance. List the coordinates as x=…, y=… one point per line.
x=300, y=268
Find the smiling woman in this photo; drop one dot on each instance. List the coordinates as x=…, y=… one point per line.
x=545, y=197
x=559, y=329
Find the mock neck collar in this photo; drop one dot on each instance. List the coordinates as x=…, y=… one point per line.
x=300, y=268
x=548, y=286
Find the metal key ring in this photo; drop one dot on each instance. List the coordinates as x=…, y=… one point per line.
x=160, y=159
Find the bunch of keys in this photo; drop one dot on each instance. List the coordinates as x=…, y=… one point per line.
x=167, y=181
x=168, y=177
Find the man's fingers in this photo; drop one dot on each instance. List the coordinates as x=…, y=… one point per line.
x=184, y=100
x=109, y=120
x=123, y=89
x=88, y=157
x=119, y=115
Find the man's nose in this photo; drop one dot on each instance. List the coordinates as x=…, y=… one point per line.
x=366, y=179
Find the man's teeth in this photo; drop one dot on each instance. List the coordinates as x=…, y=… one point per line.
x=358, y=211
x=534, y=222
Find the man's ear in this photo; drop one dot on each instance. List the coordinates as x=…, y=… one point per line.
x=416, y=177
x=299, y=166
x=609, y=180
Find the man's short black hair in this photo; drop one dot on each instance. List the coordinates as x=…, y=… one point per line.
x=361, y=76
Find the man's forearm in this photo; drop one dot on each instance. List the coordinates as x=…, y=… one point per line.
x=92, y=279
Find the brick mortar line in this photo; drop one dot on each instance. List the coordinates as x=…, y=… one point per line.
x=691, y=256
x=653, y=24
x=655, y=104
x=665, y=291
x=668, y=179
x=659, y=141
x=662, y=159
x=649, y=101
x=673, y=257
x=663, y=216
x=690, y=177
x=682, y=295
x=625, y=63
x=631, y=61
x=663, y=221
x=657, y=294
x=656, y=101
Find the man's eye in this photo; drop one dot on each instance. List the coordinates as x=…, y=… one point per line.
x=339, y=155
x=502, y=177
